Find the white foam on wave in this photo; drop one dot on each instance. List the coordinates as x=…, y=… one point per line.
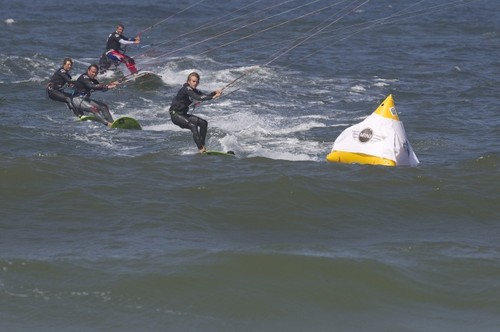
x=96, y=138
x=9, y=21
x=264, y=135
x=211, y=79
x=24, y=69
x=248, y=132
x=251, y=129
x=358, y=88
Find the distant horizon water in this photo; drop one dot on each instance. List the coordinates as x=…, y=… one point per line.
x=121, y=230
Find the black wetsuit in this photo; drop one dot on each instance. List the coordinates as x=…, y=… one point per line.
x=179, y=113
x=55, y=89
x=113, y=42
x=84, y=86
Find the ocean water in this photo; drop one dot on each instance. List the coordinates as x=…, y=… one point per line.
x=116, y=230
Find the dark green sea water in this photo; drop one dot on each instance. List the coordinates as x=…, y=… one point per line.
x=115, y=230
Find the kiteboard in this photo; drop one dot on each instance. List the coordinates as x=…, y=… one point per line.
x=125, y=122
x=219, y=153
x=147, y=74
x=87, y=118
x=144, y=77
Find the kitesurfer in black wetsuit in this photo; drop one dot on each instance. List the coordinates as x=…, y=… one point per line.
x=57, y=83
x=180, y=107
x=114, y=52
x=84, y=86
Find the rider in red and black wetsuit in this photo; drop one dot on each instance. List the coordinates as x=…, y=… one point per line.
x=114, y=51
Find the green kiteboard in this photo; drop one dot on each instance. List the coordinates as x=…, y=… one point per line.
x=125, y=122
x=87, y=118
x=219, y=153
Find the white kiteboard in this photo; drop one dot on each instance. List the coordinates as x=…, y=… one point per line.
x=144, y=77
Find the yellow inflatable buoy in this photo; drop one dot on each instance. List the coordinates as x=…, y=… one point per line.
x=358, y=158
x=380, y=139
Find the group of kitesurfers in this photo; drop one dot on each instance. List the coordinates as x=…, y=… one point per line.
x=79, y=101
